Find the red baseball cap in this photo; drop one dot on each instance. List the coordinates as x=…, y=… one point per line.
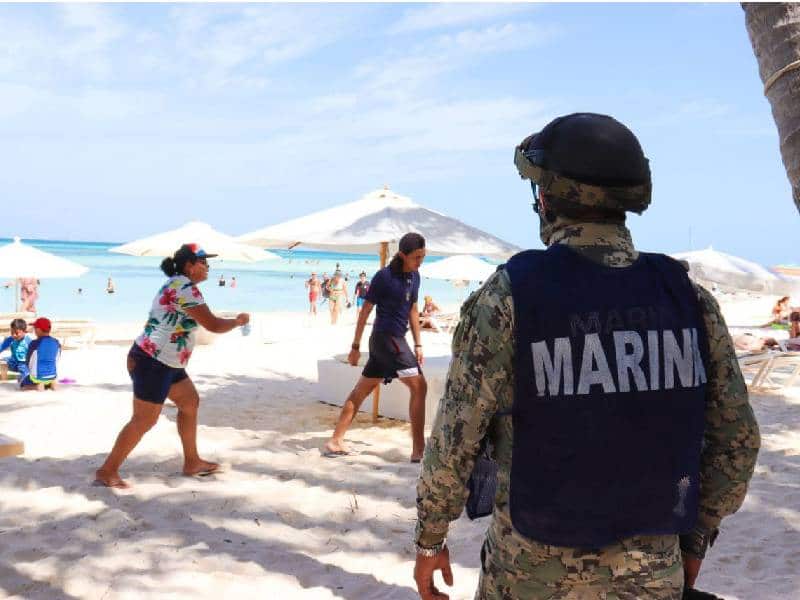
x=43, y=324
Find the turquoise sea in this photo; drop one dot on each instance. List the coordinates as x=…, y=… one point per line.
x=276, y=285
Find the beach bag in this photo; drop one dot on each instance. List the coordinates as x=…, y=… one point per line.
x=482, y=483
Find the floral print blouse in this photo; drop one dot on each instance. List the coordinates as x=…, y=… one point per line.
x=170, y=332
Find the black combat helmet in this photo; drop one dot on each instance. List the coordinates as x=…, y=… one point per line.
x=587, y=160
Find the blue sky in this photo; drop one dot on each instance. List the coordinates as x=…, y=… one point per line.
x=117, y=121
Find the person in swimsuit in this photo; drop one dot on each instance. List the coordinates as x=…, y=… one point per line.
x=110, y=286
x=314, y=288
x=362, y=287
x=325, y=290
x=394, y=291
x=158, y=358
x=428, y=318
x=29, y=294
x=338, y=297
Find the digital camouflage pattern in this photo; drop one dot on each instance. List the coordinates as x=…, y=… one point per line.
x=480, y=382
x=634, y=198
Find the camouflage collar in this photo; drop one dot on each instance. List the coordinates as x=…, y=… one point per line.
x=605, y=243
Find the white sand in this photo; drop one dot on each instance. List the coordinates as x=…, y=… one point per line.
x=282, y=521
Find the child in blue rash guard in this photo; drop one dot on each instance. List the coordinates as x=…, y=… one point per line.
x=17, y=343
x=42, y=359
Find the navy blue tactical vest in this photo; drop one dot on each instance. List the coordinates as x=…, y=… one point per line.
x=609, y=398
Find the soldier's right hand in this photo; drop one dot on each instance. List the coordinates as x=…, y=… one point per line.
x=423, y=574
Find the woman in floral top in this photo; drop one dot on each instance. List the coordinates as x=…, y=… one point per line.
x=157, y=361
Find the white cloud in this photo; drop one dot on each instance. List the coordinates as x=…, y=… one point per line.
x=397, y=75
x=676, y=112
x=221, y=41
x=41, y=111
x=440, y=16
x=79, y=42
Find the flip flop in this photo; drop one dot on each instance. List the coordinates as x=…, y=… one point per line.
x=415, y=460
x=204, y=473
x=334, y=453
x=99, y=483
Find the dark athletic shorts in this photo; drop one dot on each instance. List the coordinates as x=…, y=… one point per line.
x=151, y=378
x=390, y=357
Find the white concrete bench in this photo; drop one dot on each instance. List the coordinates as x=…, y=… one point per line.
x=337, y=378
x=10, y=447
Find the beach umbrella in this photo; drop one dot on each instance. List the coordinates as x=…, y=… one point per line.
x=211, y=240
x=18, y=260
x=713, y=267
x=458, y=268
x=373, y=223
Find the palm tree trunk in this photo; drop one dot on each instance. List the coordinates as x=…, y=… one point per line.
x=774, y=30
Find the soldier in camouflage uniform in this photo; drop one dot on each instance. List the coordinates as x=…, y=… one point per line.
x=481, y=383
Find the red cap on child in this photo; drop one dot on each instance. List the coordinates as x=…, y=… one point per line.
x=43, y=324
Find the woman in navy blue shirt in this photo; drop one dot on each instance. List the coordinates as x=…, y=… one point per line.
x=393, y=290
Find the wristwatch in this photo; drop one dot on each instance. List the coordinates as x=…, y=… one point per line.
x=355, y=346
x=697, y=541
x=430, y=551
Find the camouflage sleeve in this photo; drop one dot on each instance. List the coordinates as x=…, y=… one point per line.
x=732, y=438
x=480, y=368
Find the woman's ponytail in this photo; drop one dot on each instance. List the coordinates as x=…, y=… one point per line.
x=396, y=264
x=169, y=267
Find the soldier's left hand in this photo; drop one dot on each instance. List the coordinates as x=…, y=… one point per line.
x=423, y=574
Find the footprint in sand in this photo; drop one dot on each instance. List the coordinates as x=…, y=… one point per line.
x=32, y=555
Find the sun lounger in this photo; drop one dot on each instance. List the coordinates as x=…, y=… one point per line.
x=768, y=365
x=4, y=370
x=758, y=361
x=443, y=322
x=6, y=318
x=781, y=362
x=448, y=321
x=72, y=331
x=10, y=447
x=336, y=380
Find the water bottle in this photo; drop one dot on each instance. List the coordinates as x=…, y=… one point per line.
x=246, y=329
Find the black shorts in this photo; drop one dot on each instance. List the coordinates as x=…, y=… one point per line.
x=151, y=378
x=390, y=357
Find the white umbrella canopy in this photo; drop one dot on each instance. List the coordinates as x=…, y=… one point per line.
x=211, y=240
x=730, y=271
x=379, y=217
x=458, y=268
x=20, y=260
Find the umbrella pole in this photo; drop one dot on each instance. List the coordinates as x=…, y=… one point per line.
x=376, y=394
x=16, y=295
